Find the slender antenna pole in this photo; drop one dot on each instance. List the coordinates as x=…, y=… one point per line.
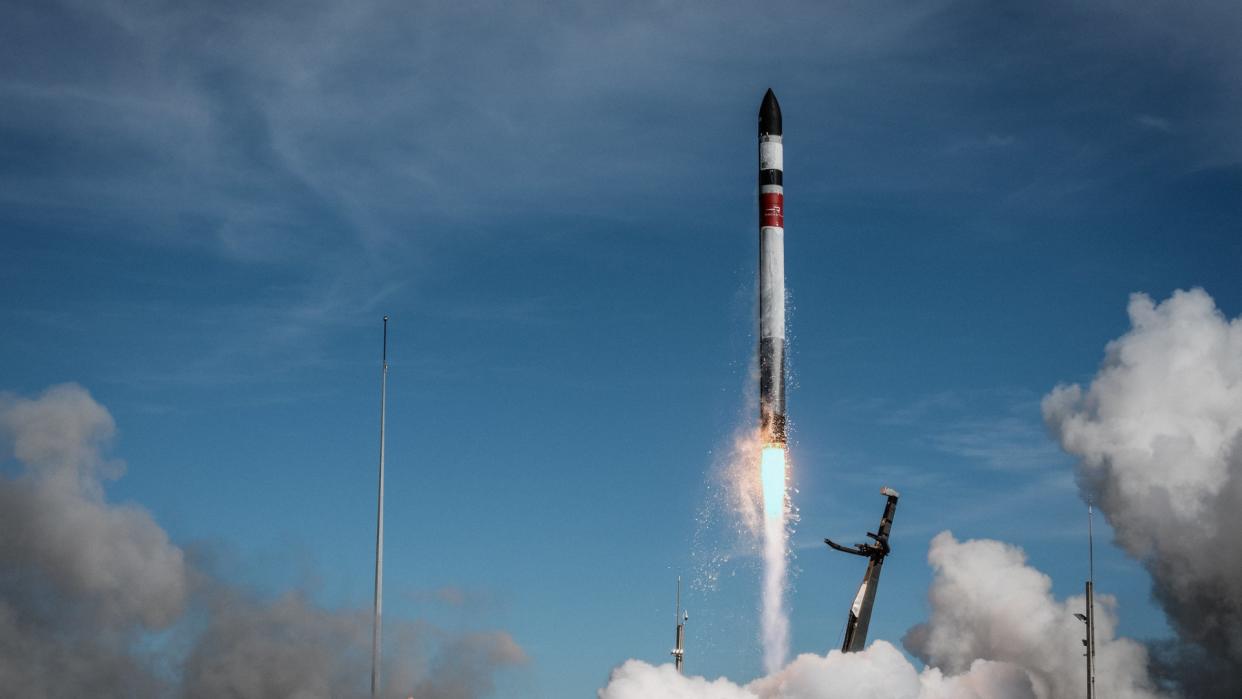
x=379, y=528
x=1090, y=602
x=1090, y=543
x=679, y=651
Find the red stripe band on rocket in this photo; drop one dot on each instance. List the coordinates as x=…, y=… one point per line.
x=771, y=210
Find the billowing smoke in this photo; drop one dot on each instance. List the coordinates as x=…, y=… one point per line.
x=1158, y=434
x=995, y=631
x=96, y=601
x=79, y=579
x=988, y=604
x=879, y=672
x=289, y=647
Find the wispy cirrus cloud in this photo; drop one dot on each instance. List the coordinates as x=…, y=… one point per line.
x=1002, y=443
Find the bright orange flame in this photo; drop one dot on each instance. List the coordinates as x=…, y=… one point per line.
x=772, y=475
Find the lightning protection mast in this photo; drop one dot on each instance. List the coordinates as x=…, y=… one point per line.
x=1089, y=641
x=376, y=620
x=1088, y=618
x=679, y=651
x=864, y=601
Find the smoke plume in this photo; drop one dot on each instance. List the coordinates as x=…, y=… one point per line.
x=96, y=601
x=1158, y=435
x=988, y=604
x=995, y=631
x=879, y=672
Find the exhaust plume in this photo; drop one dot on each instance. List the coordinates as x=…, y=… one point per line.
x=774, y=620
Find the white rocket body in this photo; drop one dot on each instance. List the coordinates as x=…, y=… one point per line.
x=771, y=273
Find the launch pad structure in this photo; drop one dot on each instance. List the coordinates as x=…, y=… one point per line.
x=864, y=601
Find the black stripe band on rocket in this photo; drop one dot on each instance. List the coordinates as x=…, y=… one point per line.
x=770, y=177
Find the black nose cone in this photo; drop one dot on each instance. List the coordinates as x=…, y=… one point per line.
x=770, y=115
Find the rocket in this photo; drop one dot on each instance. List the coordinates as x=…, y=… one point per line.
x=771, y=274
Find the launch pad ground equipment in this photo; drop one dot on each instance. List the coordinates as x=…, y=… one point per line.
x=864, y=601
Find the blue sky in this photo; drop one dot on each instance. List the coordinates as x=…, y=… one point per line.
x=206, y=208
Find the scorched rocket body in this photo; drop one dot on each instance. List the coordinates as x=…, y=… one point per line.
x=771, y=273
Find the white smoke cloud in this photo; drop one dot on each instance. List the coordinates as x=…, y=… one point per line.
x=289, y=647
x=1158, y=435
x=879, y=672
x=637, y=680
x=54, y=520
x=995, y=631
x=987, y=603
x=84, y=583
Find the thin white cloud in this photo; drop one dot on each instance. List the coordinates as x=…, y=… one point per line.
x=1154, y=123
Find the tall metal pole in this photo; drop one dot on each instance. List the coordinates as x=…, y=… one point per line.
x=376, y=621
x=1090, y=603
x=679, y=650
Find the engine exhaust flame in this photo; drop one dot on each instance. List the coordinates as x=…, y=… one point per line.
x=774, y=621
x=772, y=475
